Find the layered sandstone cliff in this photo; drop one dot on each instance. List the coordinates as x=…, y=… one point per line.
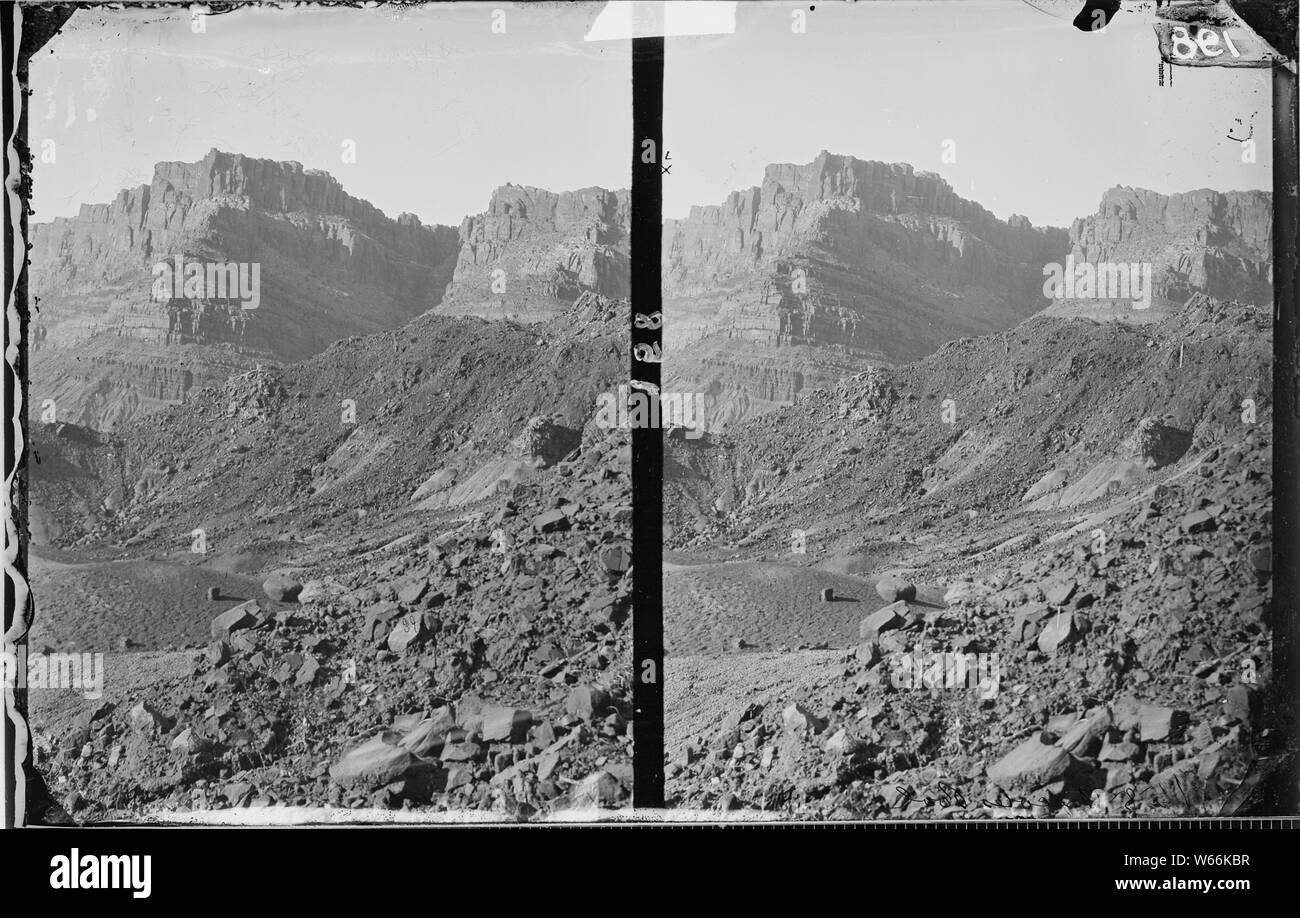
x=841, y=263
x=533, y=252
x=1203, y=241
x=330, y=266
x=875, y=261
x=870, y=256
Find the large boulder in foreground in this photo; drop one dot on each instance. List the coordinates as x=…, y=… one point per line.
x=887, y=619
x=281, y=587
x=378, y=761
x=244, y=615
x=1030, y=765
x=894, y=589
x=1155, y=443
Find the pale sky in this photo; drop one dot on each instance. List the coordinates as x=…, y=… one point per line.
x=1045, y=117
x=442, y=109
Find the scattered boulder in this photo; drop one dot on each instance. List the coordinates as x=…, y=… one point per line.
x=1086, y=734
x=408, y=632
x=1155, y=723
x=320, y=591
x=144, y=716
x=184, y=742
x=92, y=714
x=882, y=620
x=308, y=671
x=218, y=653
x=800, y=722
x=1030, y=765
x=601, y=789
x=868, y=653
x=1057, y=632
x=281, y=587
x=461, y=752
x=502, y=724
x=551, y=521
x=459, y=776
x=420, y=782
x=1027, y=623
x=244, y=615
x=378, y=621
x=893, y=589
x=841, y=743
x=1197, y=521
x=616, y=560
x=587, y=702
x=1119, y=752
x=413, y=592
x=1058, y=593
x=1156, y=444
x=376, y=762
x=428, y=736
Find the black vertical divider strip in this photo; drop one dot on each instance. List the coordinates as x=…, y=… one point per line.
x=647, y=440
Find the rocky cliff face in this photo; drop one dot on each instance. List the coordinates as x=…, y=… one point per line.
x=845, y=210
x=875, y=260
x=330, y=266
x=839, y=264
x=1203, y=241
x=534, y=252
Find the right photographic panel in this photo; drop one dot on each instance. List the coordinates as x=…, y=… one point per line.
x=968, y=372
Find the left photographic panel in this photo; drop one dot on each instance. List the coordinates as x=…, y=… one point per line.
x=326, y=521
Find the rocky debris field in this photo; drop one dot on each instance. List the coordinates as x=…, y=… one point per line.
x=328, y=449
x=1125, y=681
x=1102, y=657
x=464, y=671
x=473, y=657
x=939, y=448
